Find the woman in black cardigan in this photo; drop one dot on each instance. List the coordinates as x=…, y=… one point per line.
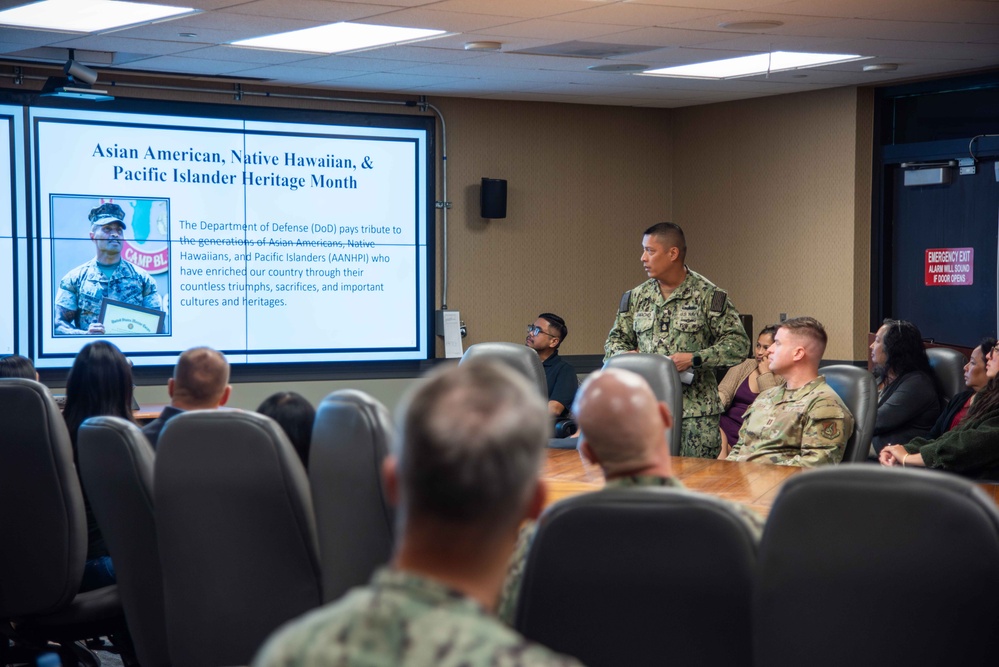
x=908, y=394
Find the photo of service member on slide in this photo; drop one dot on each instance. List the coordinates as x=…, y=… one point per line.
x=113, y=256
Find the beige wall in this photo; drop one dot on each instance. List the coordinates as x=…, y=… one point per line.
x=583, y=181
x=774, y=196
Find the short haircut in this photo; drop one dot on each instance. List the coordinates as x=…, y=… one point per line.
x=295, y=415
x=558, y=324
x=201, y=375
x=986, y=345
x=808, y=327
x=470, y=443
x=16, y=366
x=670, y=235
x=619, y=419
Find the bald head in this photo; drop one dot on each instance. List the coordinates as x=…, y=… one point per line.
x=200, y=379
x=622, y=425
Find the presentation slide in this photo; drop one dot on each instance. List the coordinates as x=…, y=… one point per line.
x=272, y=241
x=8, y=216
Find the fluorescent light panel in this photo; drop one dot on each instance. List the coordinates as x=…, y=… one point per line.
x=87, y=15
x=339, y=37
x=761, y=63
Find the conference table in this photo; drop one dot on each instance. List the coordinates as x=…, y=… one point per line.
x=567, y=473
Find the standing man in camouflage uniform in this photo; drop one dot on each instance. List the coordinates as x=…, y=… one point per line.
x=681, y=314
x=469, y=450
x=803, y=423
x=81, y=291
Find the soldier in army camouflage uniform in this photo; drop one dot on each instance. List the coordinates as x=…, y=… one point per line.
x=81, y=291
x=681, y=314
x=803, y=423
x=623, y=430
x=470, y=448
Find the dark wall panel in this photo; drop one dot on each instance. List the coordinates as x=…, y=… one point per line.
x=962, y=214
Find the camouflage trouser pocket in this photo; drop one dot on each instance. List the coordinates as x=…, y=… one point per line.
x=701, y=437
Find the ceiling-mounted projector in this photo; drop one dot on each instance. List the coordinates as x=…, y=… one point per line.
x=76, y=84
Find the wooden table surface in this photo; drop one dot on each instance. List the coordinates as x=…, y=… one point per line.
x=752, y=484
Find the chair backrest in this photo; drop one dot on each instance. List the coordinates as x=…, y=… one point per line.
x=236, y=533
x=42, y=521
x=520, y=357
x=350, y=440
x=747, y=324
x=116, y=465
x=860, y=394
x=948, y=366
x=876, y=565
x=641, y=577
x=661, y=374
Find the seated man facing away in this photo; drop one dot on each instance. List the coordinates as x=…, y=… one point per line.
x=544, y=337
x=803, y=423
x=16, y=366
x=200, y=382
x=469, y=449
x=623, y=430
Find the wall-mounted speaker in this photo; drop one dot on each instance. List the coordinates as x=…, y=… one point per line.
x=492, y=200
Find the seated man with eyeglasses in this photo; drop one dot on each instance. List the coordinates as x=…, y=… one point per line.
x=544, y=337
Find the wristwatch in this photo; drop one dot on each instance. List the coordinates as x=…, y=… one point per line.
x=696, y=363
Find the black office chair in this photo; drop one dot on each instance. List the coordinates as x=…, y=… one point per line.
x=641, y=577
x=660, y=372
x=236, y=534
x=861, y=565
x=858, y=391
x=116, y=464
x=44, y=531
x=948, y=366
x=520, y=357
x=526, y=361
x=350, y=440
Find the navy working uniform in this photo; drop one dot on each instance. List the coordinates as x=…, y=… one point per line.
x=403, y=619
x=698, y=318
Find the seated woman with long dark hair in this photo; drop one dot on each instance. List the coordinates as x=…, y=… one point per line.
x=295, y=415
x=972, y=448
x=908, y=393
x=99, y=385
x=975, y=380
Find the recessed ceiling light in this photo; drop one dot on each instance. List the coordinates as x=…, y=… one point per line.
x=88, y=15
x=761, y=63
x=750, y=25
x=881, y=67
x=619, y=67
x=483, y=46
x=339, y=38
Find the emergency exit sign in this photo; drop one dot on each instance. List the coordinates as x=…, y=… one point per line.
x=950, y=266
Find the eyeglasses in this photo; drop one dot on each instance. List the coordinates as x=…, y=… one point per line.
x=534, y=330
